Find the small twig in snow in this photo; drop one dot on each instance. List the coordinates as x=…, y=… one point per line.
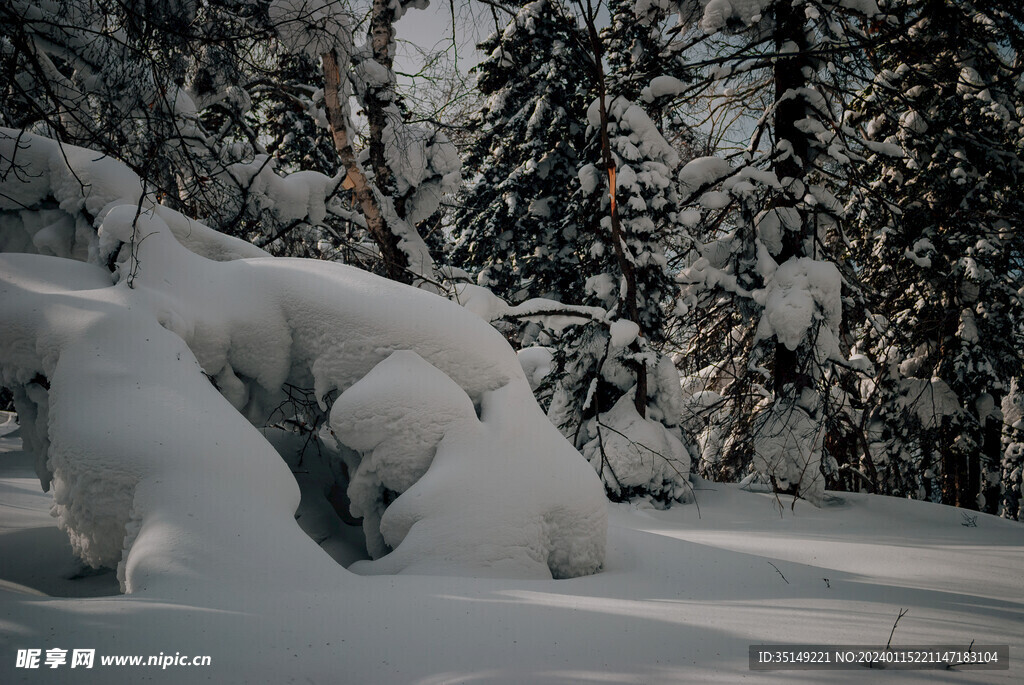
x=778, y=571
x=903, y=612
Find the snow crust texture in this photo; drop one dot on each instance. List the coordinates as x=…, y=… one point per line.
x=157, y=473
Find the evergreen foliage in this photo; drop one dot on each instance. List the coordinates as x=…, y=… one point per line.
x=940, y=243
x=510, y=222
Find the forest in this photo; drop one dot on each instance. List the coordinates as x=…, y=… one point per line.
x=270, y=265
x=808, y=213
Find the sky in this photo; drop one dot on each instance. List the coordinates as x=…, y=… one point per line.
x=431, y=29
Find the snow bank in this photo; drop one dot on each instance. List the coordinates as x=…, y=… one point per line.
x=395, y=416
x=156, y=472
x=504, y=496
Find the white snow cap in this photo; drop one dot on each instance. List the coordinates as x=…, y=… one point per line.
x=717, y=13
x=623, y=332
x=703, y=171
x=662, y=86
x=802, y=292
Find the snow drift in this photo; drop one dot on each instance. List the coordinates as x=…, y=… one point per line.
x=155, y=471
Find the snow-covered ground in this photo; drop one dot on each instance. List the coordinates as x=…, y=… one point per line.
x=682, y=595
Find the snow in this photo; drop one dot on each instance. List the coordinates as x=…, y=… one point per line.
x=867, y=7
x=85, y=187
x=395, y=416
x=542, y=520
x=537, y=363
x=928, y=399
x=717, y=13
x=703, y=171
x=404, y=416
x=769, y=227
x=589, y=178
x=156, y=473
x=481, y=301
x=623, y=332
x=787, y=448
x=802, y=292
x=681, y=597
x=714, y=199
x=630, y=451
x=641, y=132
x=76, y=178
x=426, y=165
x=662, y=86
x=298, y=196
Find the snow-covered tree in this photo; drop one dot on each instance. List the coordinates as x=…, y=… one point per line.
x=940, y=244
x=1012, y=472
x=773, y=266
x=210, y=103
x=510, y=220
x=612, y=390
x=411, y=165
x=575, y=202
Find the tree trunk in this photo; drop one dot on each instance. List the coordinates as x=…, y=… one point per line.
x=788, y=75
x=625, y=265
x=380, y=98
x=396, y=262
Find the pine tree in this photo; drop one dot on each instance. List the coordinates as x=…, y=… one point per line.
x=772, y=269
x=575, y=201
x=940, y=244
x=614, y=393
x=510, y=227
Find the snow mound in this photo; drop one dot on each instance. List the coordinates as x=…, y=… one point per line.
x=156, y=472
x=395, y=416
x=495, y=497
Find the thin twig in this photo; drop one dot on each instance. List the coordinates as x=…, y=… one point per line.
x=903, y=612
x=779, y=572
